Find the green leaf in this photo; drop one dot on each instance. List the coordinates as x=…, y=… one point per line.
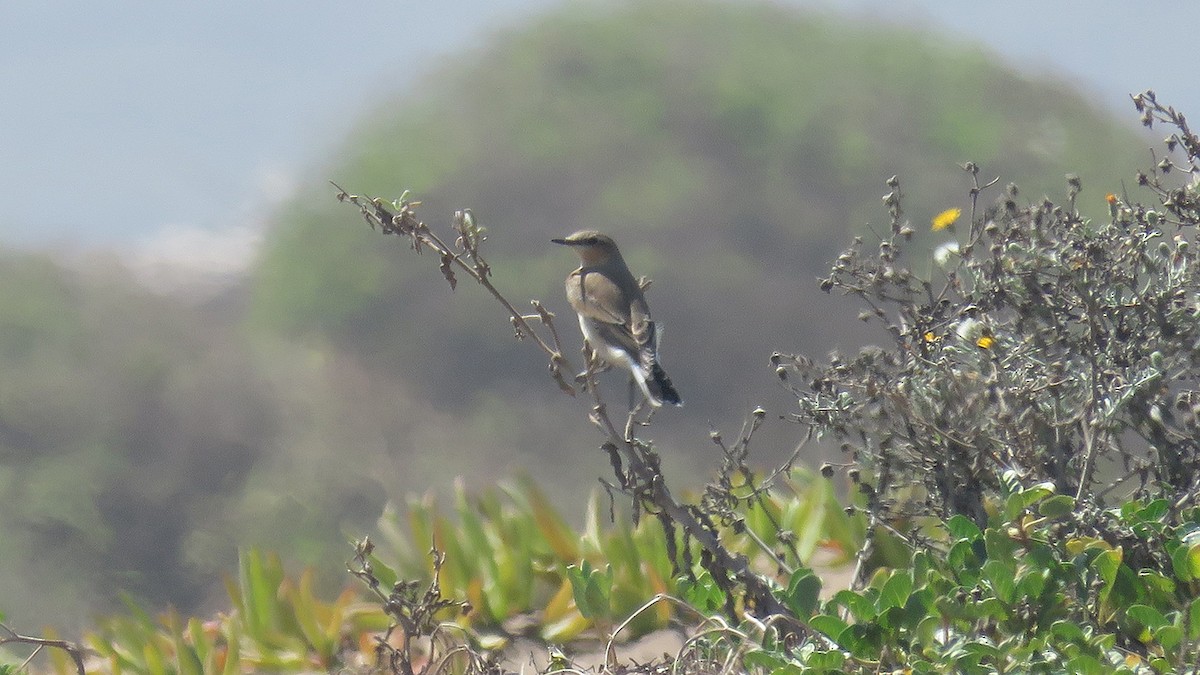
x=1169, y=637
x=831, y=626
x=1016, y=503
x=893, y=619
x=1194, y=620
x=592, y=589
x=963, y=562
x=1081, y=545
x=1147, y=616
x=1159, y=586
x=704, y=594
x=1068, y=631
x=927, y=629
x=831, y=661
x=961, y=527
x=1193, y=560
x=981, y=652
x=156, y=661
x=1057, y=506
x=999, y=545
x=260, y=576
x=1155, y=510
x=763, y=659
x=803, y=593
x=1103, y=641
x=1181, y=564
x=896, y=590
x=187, y=662
x=806, y=515
x=862, y=640
x=1000, y=577
x=860, y=607
x=1106, y=565
x=1120, y=588
x=1085, y=664
x=480, y=556
x=920, y=568
x=205, y=648
x=383, y=572
x=990, y=608
x=1032, y=583
x=233, y=656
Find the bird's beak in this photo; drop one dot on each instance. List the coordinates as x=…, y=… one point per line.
x=564, y=242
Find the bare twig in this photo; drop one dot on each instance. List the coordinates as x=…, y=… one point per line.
x=9, y=636
x=466, y=257
x=412, y=611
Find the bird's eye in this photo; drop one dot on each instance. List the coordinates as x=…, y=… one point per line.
x=591, y=241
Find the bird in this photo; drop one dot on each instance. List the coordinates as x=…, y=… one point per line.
x=613, y=314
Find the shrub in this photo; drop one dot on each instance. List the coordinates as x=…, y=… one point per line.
x=1029, y=432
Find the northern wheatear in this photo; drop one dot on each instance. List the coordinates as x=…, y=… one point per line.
x=613, y=314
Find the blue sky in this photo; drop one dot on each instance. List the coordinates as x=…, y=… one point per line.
x=159, y=126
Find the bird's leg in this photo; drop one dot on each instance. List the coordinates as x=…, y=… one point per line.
x=632, y=420
x=600, y=367
x=633, y=392
x=592, y=365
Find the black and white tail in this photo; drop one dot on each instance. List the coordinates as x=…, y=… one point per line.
x=660, y=386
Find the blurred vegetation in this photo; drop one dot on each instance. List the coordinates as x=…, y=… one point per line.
x=145, y=439
x=509, y=559
x=127, y=427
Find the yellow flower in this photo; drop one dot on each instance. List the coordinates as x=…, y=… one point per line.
x=985, y=342
x=930, y=336
x=945, y=219
x=1110, y=198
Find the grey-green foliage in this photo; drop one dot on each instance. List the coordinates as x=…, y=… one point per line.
x=1028, y=430
x=1063, y=348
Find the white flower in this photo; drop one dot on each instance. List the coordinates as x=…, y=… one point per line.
x=943, y=253
x=968, y=330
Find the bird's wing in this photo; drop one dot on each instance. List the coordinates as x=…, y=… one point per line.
x=643, y=331
x=620, y=322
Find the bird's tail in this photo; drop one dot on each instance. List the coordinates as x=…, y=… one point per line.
x=660, y=386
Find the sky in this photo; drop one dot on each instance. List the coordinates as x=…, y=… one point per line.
x=168, y=131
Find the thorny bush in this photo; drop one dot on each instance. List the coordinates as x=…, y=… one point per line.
x=1061, y=348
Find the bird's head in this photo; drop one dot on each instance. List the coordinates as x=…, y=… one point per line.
x=591, y=246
